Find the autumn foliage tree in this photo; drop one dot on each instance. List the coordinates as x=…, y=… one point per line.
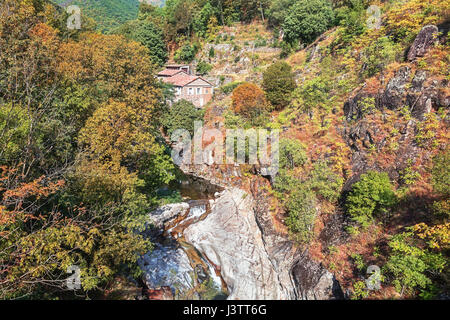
x=249, y=101
x=279, y=83
x=81, y=157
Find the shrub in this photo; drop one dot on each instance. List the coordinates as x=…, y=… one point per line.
x=379, y=54
x=228, y=88
x=325, y=182
x=203, y=68
x=292, y=153
x=360, y=291
x=277, y=12
x=441, y=173
x=372, y=194
x=186, y=53
x=181, y=115
x=426, y=131
x=285, y=183
x=202, y=19
x=352, y=18
x=301, y=214
x=406, y=18
x=314, y=94
x=249, y=101
x=408, y=264
x=211, y=53
x=279, y=83
x=307, y=19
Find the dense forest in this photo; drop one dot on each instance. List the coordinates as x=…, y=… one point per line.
x=107, y=14
x=362, y=110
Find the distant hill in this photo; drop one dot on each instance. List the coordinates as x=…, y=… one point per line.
x=107, y=13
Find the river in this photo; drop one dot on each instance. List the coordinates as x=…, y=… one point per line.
x=174, y=262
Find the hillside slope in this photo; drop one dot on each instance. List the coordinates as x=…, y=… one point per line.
x=108, y=14
x=378, y=103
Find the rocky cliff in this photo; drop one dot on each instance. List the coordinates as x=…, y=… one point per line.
x=256, y=260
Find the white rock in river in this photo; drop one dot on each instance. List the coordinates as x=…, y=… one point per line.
x=229, y=236
x=166, y=213
x=167, y=266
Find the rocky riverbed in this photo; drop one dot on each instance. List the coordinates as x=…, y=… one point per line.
x=222, y=247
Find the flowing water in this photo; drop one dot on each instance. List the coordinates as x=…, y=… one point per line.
x=175, y=263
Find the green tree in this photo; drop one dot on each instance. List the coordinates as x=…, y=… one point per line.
x=325, y=182
x=14, y=128
x=372, y=194
x=409, y=265
x=186, y=53
x=182, y=115
x=279, y=83
x=379, y=54
x=352, y=18
x=249, y=101
x=201, y=20
x=307, y=19
x=150, y=36
x=441, y=173
x=301, y=214
x=292, y=153
x=203, y=68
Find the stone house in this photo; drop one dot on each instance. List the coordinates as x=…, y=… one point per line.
x=189, y=87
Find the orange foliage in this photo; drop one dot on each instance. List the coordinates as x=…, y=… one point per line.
x=248, y=100
x=18, y=197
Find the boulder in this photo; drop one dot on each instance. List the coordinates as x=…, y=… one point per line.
x=314, y=282
x=424, y=40
x=393, y=96
x=162, y=215
x=167, y=265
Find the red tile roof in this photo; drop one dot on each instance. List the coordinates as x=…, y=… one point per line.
x=176, y=65
x=182, y=79
x=169, y=72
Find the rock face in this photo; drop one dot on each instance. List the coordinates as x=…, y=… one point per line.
x=424, y=40
x=393, y=97
x=256, y=262
x=230, y=238
x=314, y=282
x=417, y=91
x=239, y=239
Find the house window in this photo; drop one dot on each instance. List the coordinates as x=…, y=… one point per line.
x=206, y=90
x=190, y=90
x=178, y=90
x=199, y=90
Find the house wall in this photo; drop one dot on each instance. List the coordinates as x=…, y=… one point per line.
x=198, y=99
